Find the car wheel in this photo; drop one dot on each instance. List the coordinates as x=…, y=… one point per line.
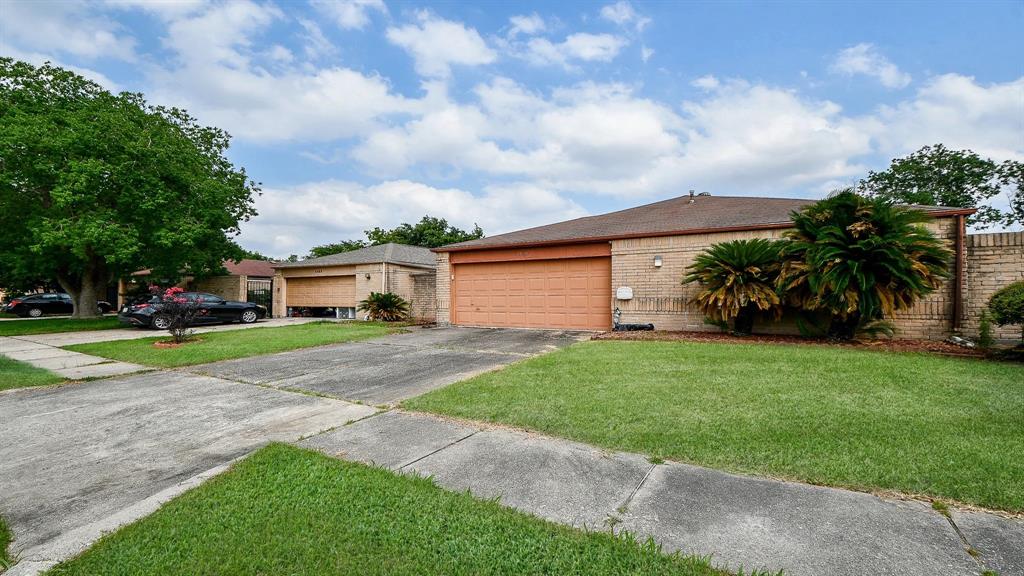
x=35, y=312
x=249, y=316
x=160, y=322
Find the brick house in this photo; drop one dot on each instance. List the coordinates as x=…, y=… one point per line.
x=336, y=283
x=574, y=274
x=233, y=285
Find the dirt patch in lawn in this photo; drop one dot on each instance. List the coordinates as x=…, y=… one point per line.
x=932, y=346
x=162, y=344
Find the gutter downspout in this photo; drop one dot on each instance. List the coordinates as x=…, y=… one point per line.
x=958, y=283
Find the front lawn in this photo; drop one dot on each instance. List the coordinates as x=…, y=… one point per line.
x=945, y=427
x=287, y=511
x=214, y=346
x=5, y=541
x=15, y=374
x=53, y=325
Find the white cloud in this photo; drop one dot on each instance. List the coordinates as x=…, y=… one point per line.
x=68, y=28
x=350, y=14
x=314, y=44
x=959, y=112
x=219, y=73
x=294, y=219
x=576, y=47
x=866, y=60
x=646, y=53
x=707, y=82
x=527, y=25
x=435, y=44
x=623, y=13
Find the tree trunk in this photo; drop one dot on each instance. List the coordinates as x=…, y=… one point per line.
x=743, y=324
x=840, y=329
x=85, y=289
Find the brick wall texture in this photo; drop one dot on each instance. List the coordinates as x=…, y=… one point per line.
x=227, y=287
x=993, y=261
x=444, y=289
x=423, y=305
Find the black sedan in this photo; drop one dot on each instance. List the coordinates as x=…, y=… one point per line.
x=36, y=305
x=212, y=310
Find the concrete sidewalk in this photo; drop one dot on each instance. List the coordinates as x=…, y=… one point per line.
x=742, y=522
x=44, y=350
x=70, y=365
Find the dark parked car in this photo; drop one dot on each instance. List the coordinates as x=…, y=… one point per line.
x=36, y=305
x=212, y=310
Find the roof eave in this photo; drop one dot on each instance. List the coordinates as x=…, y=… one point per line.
x=586, y=240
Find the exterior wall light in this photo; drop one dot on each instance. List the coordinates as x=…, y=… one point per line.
x=367, y=276
x=657, y=262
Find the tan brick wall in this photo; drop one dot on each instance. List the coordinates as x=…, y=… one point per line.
x=227, y=287
x=659, y=297
x=444, y=289
x=993, y=261
x=424, y=298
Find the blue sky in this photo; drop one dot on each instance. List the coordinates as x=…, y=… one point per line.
x=367, y=113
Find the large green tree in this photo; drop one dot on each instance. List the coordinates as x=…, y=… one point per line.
x=95, y=185
x=429, y=232
x=938, y=176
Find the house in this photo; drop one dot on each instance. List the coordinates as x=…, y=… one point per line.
x=336, y=283
x=576, y=274
x=246, y=280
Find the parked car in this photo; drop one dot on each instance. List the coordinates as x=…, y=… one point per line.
x=36, y=305
x=212, y=310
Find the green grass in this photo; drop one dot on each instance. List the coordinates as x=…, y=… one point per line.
x=53, y=325
x=214, y=346
x=5, y=541
x=289, y=511
x=15, y=374
x=914, y=423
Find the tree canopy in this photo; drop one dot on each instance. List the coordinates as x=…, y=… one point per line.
x=429, y=232
x=94, y=185
x=937, y=176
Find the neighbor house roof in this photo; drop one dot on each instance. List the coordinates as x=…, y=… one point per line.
x=250, y=268
x=675, y=216
x=390, y=253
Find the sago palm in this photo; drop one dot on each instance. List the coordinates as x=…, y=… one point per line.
x=860, y=260
x=385, y=306
x=737, y=280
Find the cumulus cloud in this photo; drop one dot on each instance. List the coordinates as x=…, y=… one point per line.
x=575, y=48
x=623, y=14
x=865, y=59
x=959, y=112
x=292, y=220
x=526, y=25
x=67, y=28
x=436, y=44
x=220, y=74
x=350, y=14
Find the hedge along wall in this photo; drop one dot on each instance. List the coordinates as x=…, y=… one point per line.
x=993, y=261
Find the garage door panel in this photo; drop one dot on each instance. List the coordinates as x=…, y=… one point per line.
x=569, y=293
x=321, y=291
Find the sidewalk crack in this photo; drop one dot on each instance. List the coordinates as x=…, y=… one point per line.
x=431, y=453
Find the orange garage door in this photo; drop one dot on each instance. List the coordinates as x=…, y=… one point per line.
x=568, y=293
x=324, y=291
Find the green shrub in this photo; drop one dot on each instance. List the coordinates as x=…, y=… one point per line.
x=985, y=339
x=859, y=260
x=385, y=307
x=737, y=280
x=1007, y=306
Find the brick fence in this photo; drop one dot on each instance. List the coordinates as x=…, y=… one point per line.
x=993, y=261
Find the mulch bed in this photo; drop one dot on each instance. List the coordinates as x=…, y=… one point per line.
x=932, y=346
x=172, y=344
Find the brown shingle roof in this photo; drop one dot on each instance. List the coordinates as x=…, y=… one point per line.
x=250, y=268
x=391, y=253
x=670, y=217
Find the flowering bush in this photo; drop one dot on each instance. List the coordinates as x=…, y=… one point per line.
x=177, y=312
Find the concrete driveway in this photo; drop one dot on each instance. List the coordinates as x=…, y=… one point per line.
x=82, y=459
x=390, y=369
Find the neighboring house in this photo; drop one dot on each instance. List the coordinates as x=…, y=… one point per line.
x=339, y=281
x=246, y=280
x=574, y=274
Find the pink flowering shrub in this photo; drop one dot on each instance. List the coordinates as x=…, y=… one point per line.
x=179, y=311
